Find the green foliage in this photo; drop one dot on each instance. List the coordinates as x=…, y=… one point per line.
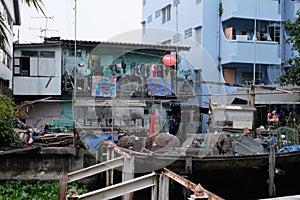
x=7, y=118
x=12, y=190
x=292, y=75
x=37, y=4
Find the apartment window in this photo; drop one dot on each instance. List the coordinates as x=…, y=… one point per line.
x=9, y=59
x=198, y=1
x=274, y=31
x=188, y=33
x=149, y=19
x=198, y=34
x=176, y=38
x=157, y=13
x=4, y=58
x=144, y=2
x=166, y=14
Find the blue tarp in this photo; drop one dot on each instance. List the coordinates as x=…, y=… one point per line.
x=95, y=141
x=292, y=148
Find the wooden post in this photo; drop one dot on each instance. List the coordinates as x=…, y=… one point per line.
x=63, y=182
x=99, y=153
x=110, y=172
x=161, y=193
x=272, y=190
x=163, y=187
x=188, y=165
x=154, y=188
x=252, y=93
x=128, y=174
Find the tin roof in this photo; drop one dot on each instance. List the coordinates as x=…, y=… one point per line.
x=58, y=41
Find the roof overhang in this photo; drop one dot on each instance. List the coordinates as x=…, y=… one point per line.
x=171, y=48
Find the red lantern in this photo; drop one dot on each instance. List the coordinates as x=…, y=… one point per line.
x=169, y=59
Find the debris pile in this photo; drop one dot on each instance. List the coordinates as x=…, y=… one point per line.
x=42, y=134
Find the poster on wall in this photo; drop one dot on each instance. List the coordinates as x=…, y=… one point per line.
x=159, y=86
x=104, y=86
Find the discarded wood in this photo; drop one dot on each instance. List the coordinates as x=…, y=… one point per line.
x=54, y=136
x=54, y=143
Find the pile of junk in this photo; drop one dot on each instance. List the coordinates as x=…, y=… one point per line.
x=44, y=133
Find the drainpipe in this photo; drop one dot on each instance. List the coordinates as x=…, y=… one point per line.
x=75, y=71
x=255, y=32
x=177, y=43
x=219, y=59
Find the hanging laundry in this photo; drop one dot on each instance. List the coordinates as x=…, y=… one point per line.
x=123, y=64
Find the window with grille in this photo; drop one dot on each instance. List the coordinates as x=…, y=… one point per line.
x=149, y=19
x=188, y=33
x=157, y=13
x=176, y=38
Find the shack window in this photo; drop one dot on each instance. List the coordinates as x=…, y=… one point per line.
x=47, y=54
x=22, y=66
x=30, y=54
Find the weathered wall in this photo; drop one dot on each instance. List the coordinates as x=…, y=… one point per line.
x=46, y=111
x=45, y=164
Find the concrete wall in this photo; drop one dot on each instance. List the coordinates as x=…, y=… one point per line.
x=43, y=111
x=45, y=164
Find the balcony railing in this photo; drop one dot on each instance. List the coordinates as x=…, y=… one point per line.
x=259, y=9
x=248, y=51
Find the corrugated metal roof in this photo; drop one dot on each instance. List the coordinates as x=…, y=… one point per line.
x=264, y=95
x=58, y=41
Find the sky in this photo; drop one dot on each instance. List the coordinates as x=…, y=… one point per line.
x=97, y=20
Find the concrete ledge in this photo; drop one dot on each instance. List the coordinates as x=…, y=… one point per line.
x=58, y=150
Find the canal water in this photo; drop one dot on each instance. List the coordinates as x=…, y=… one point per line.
x=246, y=184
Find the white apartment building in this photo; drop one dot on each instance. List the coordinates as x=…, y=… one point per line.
x=10, y=16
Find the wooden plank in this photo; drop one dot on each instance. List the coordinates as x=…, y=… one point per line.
x=272, y=190
x=63, y=182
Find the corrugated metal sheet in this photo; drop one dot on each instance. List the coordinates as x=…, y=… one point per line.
x=58, y=41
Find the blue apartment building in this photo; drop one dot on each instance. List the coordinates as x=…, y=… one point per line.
x=232, y=41
x=243, y=40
